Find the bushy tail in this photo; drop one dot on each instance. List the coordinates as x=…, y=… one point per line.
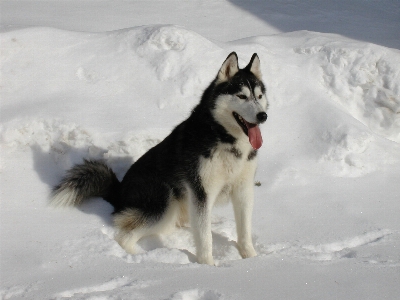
x=90, y=179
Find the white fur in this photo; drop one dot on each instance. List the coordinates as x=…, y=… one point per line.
x=223, y=174
x=263, y=101
x=256, y=68
x=128, y=240
x=242, y=200
x=228, y=69
x=64, y=198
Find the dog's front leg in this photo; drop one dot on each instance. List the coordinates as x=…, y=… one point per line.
x=242, y=200
x=200, y=218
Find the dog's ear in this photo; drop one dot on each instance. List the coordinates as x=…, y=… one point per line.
x=254, y=66
x=229, y=68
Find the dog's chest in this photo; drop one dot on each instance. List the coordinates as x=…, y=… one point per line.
x=227, y=164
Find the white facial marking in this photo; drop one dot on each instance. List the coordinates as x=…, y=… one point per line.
x=263, y=99
x=244, y=94
x=246, y=91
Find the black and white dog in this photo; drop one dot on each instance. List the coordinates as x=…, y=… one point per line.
x=208, y=158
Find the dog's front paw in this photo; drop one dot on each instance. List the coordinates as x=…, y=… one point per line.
x=247, y=251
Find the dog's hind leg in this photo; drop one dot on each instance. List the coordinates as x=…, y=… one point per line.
x=183, y=218
x=132, y=225
x=128, y=240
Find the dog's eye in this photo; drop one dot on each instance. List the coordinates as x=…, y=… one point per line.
x=243, y=97
x=259, y=97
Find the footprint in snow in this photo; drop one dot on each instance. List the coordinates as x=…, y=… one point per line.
x=120, y=284
x=330, y=251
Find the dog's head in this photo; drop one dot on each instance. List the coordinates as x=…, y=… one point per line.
x=241, y=102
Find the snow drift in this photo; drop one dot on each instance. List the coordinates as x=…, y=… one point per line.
x=334, y=125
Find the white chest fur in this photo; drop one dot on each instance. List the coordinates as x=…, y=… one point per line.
x=227, y=166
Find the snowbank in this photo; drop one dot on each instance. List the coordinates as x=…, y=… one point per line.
x=328, y=169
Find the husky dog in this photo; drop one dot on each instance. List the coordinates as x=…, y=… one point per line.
x=210, y=157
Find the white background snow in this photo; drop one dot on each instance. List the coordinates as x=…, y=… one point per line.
x=110, y=79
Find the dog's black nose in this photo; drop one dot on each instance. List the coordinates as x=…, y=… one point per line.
x=262, y=117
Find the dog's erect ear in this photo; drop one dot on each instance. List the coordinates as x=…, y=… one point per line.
x=229, y=68
x=254, y=66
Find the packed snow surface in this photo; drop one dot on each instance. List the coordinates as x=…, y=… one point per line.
x=326, y=219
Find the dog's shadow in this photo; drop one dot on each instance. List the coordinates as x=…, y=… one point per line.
x=52, y=165
x=153, y=242
x=224, y=248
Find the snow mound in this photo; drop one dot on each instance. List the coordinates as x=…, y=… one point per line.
x=107, y=68
x=65, y=144
x=334, y=112
x=336, y=99
x=170, y=51
x=353, y=151
x=16, y=291
x=364, y=79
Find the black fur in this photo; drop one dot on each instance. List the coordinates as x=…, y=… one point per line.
x=252, y=155
x=236, y=152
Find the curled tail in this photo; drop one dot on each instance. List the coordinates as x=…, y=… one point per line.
x=90, y=179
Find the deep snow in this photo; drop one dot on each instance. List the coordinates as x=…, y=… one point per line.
x=326, y=213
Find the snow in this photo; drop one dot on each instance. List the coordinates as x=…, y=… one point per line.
x=110, y=79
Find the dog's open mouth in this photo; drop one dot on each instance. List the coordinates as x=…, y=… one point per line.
x=251, y=130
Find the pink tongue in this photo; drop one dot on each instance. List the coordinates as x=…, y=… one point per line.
x=255, y=137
